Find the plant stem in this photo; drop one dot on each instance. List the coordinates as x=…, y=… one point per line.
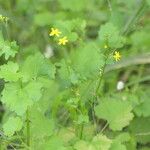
x=97, y=89
x=133, y=17
x=101, y=76
x=105, y=126
x=28, y=127
x=142, y=134
x=109, y=5
x=81, y=131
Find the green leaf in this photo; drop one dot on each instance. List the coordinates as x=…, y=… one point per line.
x=49, y=143
x=41, y=126
x=143, y=108
x=67, y=74
x=109, y=35
x=48, y=69
x=117, y=113
x=53, y=143
x=83, y=145
x=87, y=60
x=33, y=90
x=101, y=142
x=71, y=28
x=31, y=67
x=116, y=145
x=15, y=99
x=140, y=128
x=9, y=71
x=12, y=125
x=123, y=137
x=73, y=37
x=37, y=66
x=18, y=98
x=66, y=134
x=119, y=140
x=9, y=49
x=74, y=77
x=64, y=73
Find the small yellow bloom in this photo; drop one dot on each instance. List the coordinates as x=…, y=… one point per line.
x=63, y=41
x=105, y=46
x=3, y=19
x=54, y=32
x=117, y=56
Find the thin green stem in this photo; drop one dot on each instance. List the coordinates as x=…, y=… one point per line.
x=101, y=76
x=97, y=89
x=21, y=140
x=109, y=5
x=81, y=131
x=134, y=17
x=28, y=127
x=143, y=134
x=105, y=126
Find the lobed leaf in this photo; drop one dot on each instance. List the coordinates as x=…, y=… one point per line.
x=9, y=71
x=117, y=113
x=12, y=125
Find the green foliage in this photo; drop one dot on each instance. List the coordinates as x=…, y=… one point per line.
x=8, y=49
x=140, y=128
x=35, y=66
x=9, y=72
x=41, y=126
x=98, y=142
x=18, y=98
x=87, y=60
x=109, y=35
x=117, y=113
x=71, y=28
x=12, y=125
x=53, y=144
x=143, y=108
x=74, y=96
x=101, y=142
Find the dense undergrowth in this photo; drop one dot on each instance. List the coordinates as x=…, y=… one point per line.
x=74, y=74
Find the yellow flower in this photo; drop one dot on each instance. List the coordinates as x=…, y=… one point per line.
x=105, y=46
x=63, y=41
x=117, y=56
x=3, y=19
x=54, y=32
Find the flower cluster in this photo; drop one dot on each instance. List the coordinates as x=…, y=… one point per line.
x=3, y=19
x=55, y=32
